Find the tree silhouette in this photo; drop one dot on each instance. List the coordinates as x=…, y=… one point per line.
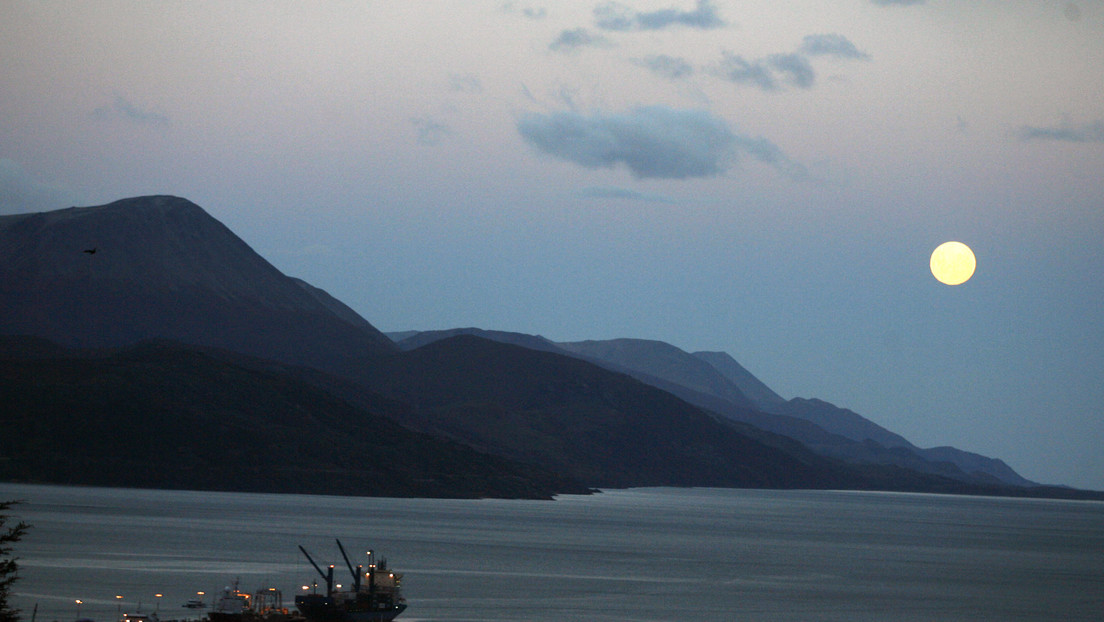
x=8, y=567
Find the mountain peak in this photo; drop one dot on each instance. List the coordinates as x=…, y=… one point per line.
x=136, y=240
x=751, y=386
x=161, y=266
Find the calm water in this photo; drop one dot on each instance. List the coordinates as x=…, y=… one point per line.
x=643, y=554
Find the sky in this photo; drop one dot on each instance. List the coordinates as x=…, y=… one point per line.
x=763, y=177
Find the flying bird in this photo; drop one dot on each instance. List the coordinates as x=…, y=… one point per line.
x=91, y=251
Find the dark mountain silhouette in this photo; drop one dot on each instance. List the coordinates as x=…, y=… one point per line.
x=664, y=361
x=166, y=269
x=411, y=340
x=760, y=394
x=162, y=414
x=573, y=417
x=609, y=429
x=716, y=382
x=885, y=446
x=838, y=432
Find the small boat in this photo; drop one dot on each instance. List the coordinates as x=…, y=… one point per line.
x=195, y=604
x=376, y=594
x=231, y=606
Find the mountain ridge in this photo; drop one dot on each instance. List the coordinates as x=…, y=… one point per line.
x=162, y=268
x=206, y=419
x=828, y=429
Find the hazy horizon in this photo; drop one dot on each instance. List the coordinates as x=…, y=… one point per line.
x=762, y=178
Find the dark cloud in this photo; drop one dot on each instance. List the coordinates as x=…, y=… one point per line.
x=831, y=45
x=20, y=192
x=652, y=142
x=576, y=38
x=1089, y=133
x=667, y=66
x=620, y=17
x=123, y=109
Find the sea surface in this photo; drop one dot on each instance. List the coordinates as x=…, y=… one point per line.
x=626, y=555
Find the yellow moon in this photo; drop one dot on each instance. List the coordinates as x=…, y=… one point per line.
x=953, y=263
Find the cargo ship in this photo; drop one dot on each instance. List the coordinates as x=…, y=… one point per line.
x=375, y=595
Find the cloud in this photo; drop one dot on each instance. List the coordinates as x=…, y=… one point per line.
x=652, y=142
x=667, y=66
x=761, y=72
x=465, y=83
x=768, y=72
x=896, y=2
x=610, y=192
x=615, y=16
x=570, y=40
x=527, y=11
x=831, y=45
x=123, y=109
x=736, y=68
x=430, y=131
x=22, y=193
x=796, y=67
x=1088, y=133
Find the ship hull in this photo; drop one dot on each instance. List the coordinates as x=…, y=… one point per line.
x=324, y=610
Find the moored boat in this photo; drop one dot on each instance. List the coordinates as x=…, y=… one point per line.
x=375, y=596
x=231, y=606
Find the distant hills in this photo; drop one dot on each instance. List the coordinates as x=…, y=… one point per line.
x=714, y=381
x=174, y=356
x=164, y=415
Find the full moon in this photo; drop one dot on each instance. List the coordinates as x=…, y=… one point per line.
x=953, y=263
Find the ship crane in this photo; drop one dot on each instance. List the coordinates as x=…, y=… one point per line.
x=356, y=573
x=327, y=576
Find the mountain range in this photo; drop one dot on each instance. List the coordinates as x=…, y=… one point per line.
x=716, y=382
x=145, y=344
